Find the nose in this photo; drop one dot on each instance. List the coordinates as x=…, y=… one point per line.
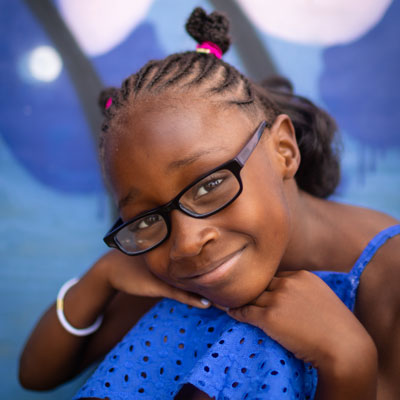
x=189, y=235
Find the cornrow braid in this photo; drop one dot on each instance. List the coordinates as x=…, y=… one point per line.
x=229, y=79
x=187, y=67
x=164, y=69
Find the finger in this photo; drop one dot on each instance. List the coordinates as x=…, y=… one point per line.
x=222, y=308
x=250, y=314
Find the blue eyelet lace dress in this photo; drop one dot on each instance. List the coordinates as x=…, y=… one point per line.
x=174, y=344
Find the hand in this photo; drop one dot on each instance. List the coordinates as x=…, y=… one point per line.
x=305, y=316
x=130, y=275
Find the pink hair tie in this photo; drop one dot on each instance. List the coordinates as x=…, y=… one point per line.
x=108, y=104
x=209, y=48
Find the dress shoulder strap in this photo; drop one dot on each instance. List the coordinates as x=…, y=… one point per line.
x=372, y=247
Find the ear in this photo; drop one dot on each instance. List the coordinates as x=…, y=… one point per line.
x=285, y=146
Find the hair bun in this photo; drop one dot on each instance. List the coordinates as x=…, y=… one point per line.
x=209, y=28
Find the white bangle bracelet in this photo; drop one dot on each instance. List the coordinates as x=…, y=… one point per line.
x=61, y=317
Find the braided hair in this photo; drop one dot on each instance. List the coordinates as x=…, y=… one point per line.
x=318, y=173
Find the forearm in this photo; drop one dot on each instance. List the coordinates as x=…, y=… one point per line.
x=118, y=286
x=351, y=377
x=57, y=352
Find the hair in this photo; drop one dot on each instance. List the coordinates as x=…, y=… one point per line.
x=319, y=171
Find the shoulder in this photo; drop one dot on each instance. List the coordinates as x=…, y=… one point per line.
x=361, y=224
x=382, y=274
x=378, y=309
x=383, y=271
x=378, y=297
x=353, y=227
x=370, y=220
x=377, y=291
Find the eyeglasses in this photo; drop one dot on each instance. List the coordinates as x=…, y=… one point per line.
x=207, y=195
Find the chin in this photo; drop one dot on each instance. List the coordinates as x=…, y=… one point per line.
x=233, y=302
x=234, y=298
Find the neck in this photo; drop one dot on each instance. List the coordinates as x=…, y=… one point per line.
x=319, y=229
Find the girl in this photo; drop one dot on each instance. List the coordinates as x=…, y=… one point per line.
x=221, y=187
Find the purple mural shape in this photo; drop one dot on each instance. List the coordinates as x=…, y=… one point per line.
x=42, y=123
x=360, y=83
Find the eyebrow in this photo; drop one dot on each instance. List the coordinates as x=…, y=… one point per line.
x=133, y=192
x=191, y=158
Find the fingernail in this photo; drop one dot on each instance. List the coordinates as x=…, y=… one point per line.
x=205, y=301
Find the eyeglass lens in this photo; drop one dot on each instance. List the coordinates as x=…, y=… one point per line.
x=208, y=195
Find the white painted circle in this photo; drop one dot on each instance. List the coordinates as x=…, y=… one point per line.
x=322, y=22
x=100, y=25
x=44, y=63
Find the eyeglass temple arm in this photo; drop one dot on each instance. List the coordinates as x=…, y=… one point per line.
x=245, y=153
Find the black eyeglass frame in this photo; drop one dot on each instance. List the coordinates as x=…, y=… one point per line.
x=234, y=165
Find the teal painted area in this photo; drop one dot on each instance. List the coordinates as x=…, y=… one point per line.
x=370, y=178
x=46, y=238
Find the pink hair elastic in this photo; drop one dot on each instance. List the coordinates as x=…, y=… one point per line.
x=209, y=48
x=108, y=104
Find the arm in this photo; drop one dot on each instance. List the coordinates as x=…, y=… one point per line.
x=305, y=316
x=116, y=286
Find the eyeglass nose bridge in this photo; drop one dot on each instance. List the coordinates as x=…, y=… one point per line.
x=175, y=204
x=234, y=166
x=169, y=207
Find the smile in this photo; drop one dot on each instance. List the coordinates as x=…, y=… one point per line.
x=218, y=271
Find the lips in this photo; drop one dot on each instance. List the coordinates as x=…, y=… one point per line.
x=216, y=269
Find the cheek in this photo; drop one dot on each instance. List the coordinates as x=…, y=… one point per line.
x=157, y=263
x=265, y=211
x=264, y=217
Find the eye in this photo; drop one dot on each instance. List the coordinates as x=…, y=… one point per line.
x=147, y=222
x=207, y=187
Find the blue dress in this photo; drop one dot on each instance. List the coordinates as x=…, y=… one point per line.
x=174, y=344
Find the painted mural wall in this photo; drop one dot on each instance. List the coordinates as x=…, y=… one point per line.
x=53, y=60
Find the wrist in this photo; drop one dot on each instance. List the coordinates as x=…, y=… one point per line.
x=88, y=298
x=61, y=317
x=101, y=274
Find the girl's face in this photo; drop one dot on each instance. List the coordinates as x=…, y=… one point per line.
x=164, y=145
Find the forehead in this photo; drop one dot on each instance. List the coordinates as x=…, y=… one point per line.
x=171, y=117
x=167, y=125
x=160, y=132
